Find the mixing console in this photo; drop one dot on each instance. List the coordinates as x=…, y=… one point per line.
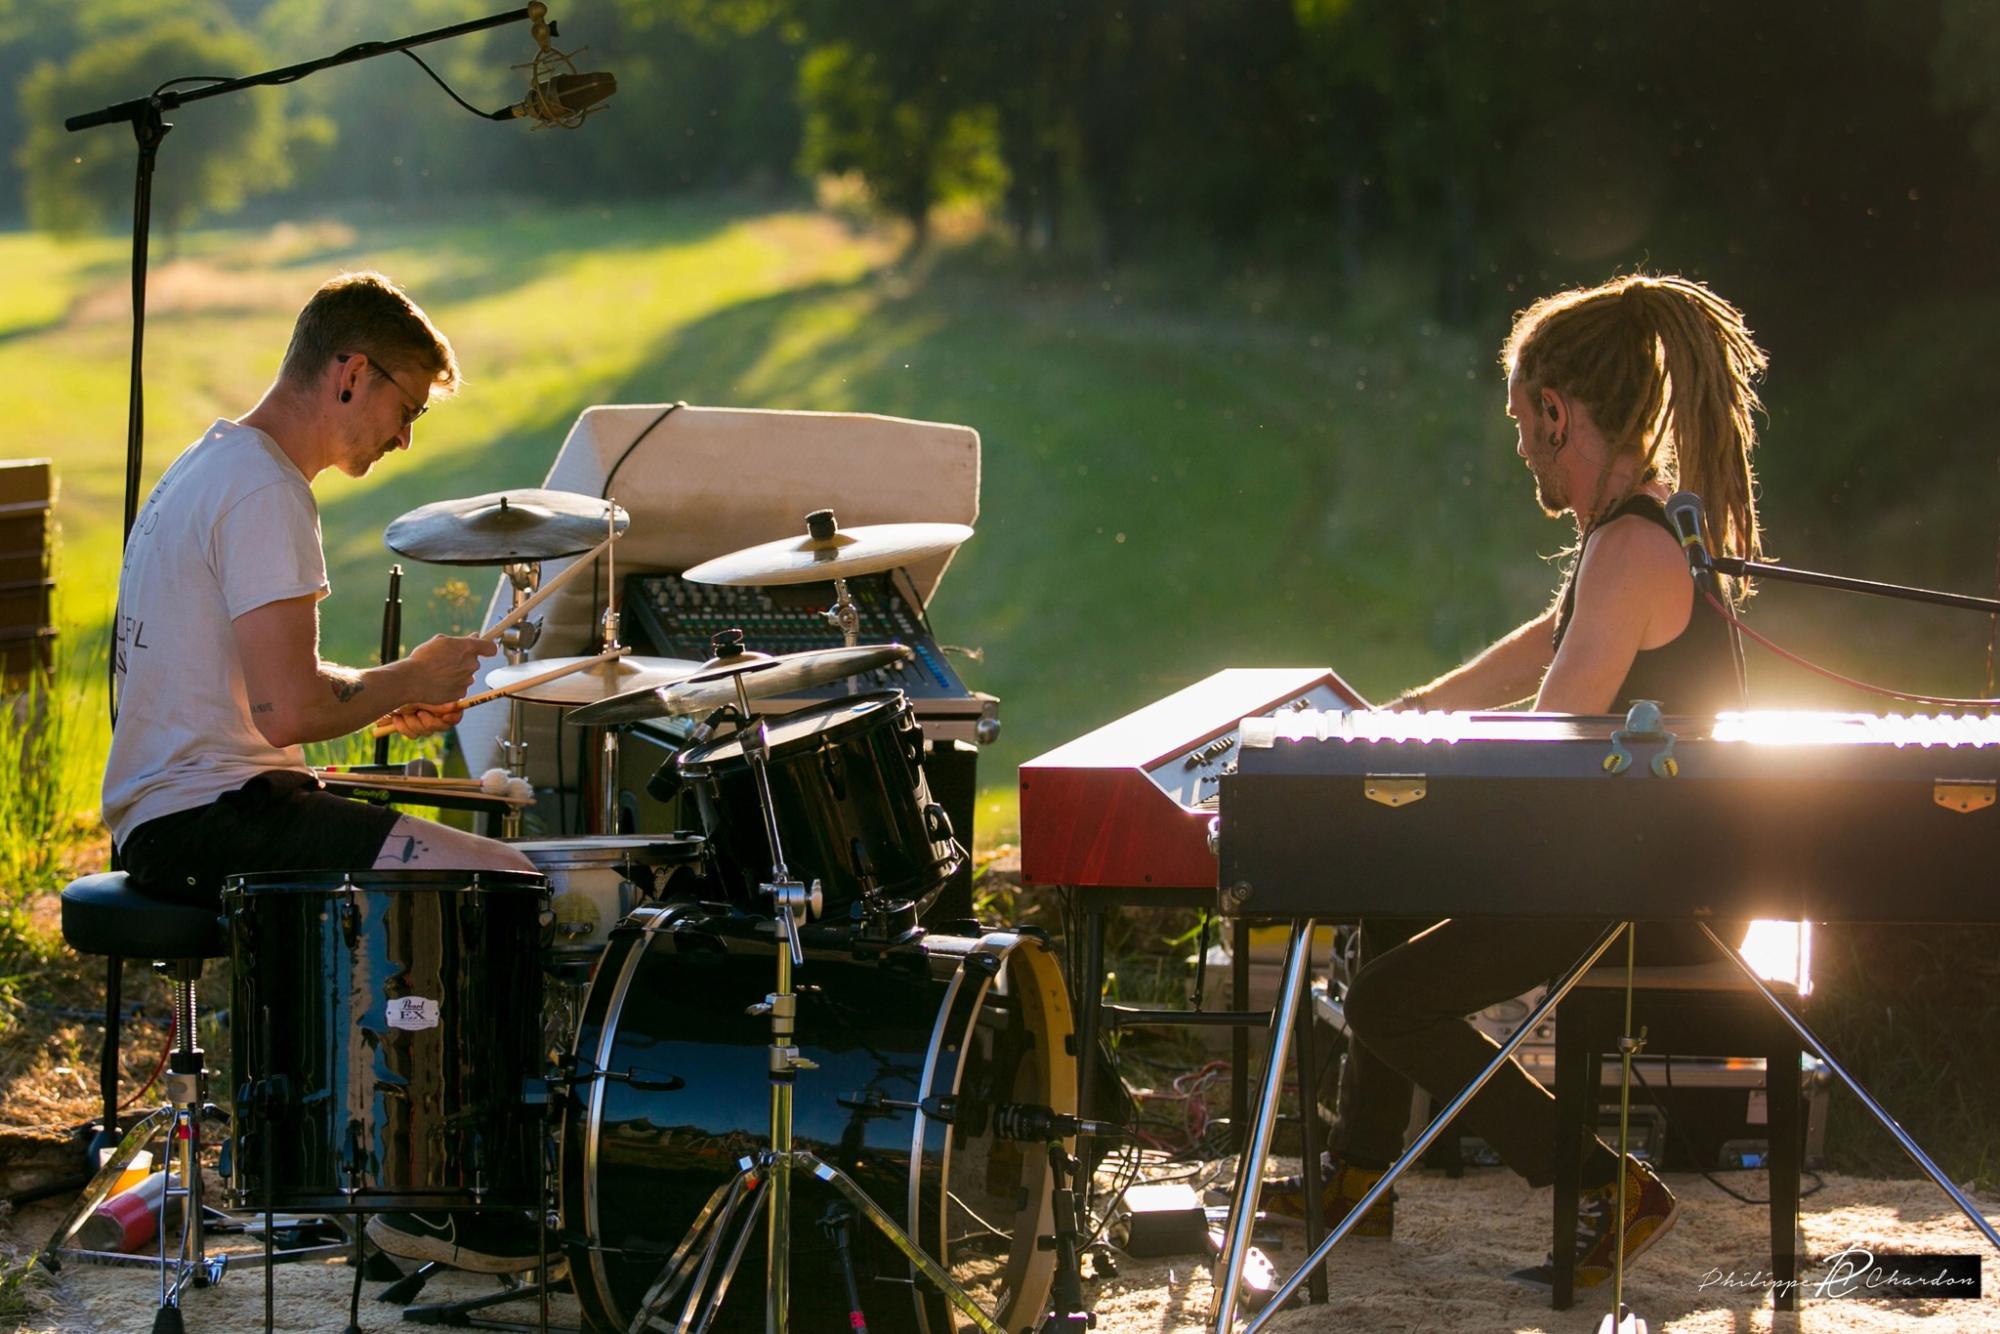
x=672, y=617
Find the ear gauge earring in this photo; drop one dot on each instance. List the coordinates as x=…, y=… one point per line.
x=346, y=395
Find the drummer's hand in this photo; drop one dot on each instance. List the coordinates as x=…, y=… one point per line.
x=421, y=720
x=447, y=664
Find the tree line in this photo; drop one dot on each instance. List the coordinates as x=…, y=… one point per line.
x=1502, y=141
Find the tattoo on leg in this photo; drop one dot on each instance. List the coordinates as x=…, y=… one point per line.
x=344, y=689
x=262, y=708
x=413, y=847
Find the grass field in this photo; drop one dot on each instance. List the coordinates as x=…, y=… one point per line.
x=1168, y=488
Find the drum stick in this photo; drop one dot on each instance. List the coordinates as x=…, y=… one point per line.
x=534, y=599
x=384, y=728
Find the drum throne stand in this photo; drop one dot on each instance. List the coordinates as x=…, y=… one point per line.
x=705, y=1261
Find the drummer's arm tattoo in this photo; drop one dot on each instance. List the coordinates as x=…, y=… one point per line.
x=346, y=687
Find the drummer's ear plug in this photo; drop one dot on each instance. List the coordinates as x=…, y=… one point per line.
x=346, y=395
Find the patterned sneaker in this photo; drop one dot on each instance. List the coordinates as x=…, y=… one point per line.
x=484, y=1243
x=1650, y=1210
x=1341, y=1188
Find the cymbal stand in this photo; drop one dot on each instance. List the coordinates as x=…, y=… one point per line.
x=526, y=577
x=765, y=1182
x=843, y=615
x=607, y=775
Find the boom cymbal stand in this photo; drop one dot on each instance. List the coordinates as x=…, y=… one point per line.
x=705, y=1261
x=524, y=577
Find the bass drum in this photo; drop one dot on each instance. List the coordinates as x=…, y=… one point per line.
x=982, y=1021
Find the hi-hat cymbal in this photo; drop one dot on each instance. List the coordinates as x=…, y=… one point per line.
x=763, y=678
x=617, y=676
x=503, y=527
x=827, y=551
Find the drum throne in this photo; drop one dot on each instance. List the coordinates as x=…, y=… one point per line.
x=107, y=914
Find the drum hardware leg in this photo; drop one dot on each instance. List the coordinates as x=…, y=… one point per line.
x=690, y=1268
x=135, y=1138
x=405, y=1289
x=835, y=1223
x=1066, y=1305
x=1243, y=1210
x=890, y=1230
x=359, y=1261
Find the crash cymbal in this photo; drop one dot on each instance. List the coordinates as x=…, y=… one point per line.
x=763, y=678
x=827, y=551
x=618, y=676
x=502, y=527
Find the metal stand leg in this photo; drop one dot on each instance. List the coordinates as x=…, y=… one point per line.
x=1811, y=1039
x=1239, y=1040
x=1308, y=1070
x=1243, y=1211
x=1090, y=1019
x=1250, y=1166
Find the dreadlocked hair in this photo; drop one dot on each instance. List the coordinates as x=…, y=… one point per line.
x=1668, y=370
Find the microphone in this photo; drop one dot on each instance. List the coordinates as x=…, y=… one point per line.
x=1684, y=513
x=1034, y=1121
x=563, y=100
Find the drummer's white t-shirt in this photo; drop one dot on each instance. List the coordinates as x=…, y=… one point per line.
x=231, y=527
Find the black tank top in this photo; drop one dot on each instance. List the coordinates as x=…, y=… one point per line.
x=1692, y=673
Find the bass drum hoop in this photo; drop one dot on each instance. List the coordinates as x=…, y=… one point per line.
x=1035, y=980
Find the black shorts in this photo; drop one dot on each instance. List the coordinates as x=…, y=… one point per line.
x=278, y=821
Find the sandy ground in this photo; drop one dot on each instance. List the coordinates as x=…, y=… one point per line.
x=1456, y=1241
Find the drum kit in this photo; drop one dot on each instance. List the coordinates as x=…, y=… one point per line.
x=685, y=1100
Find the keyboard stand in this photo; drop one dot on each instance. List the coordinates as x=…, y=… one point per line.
x=1250, y=1169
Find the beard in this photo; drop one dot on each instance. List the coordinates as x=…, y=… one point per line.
x=1550, y=493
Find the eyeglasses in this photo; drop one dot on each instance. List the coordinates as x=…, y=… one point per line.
x=410, y=414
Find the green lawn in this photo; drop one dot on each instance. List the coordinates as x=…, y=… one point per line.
x=1167, y=490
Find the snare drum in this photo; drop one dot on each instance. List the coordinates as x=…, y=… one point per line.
x=852, y=807
x=594, y=882
x=383, y=1025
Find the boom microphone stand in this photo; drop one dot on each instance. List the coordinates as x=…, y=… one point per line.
x=147, y=117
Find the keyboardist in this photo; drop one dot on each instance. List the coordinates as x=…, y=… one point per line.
x=1620, y=393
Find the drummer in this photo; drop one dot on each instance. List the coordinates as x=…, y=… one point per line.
x=218, y=674
x=216, y=651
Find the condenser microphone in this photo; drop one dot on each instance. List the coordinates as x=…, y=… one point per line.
x=1034, y=1121
x=1684, y=513
x=563, y=100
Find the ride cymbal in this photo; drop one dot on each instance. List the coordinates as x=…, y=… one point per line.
x=617, y=676
x=763, y=677
x=828, y=551
x=503, y=527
